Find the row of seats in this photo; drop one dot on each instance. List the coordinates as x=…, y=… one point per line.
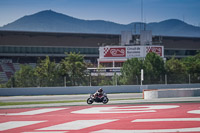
x=1, y=69
x=47, y=50
x=3, y=77
x=7, y=70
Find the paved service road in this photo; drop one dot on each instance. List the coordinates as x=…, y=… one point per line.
x=66, y=97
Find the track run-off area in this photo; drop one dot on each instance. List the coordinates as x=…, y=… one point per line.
x=125, y=118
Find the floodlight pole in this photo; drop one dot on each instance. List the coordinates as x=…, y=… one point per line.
x=189, y=79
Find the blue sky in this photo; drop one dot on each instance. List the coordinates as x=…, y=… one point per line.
x=119, y=11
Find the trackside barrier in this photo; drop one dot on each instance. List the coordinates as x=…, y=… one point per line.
x=67, y=90
x=169, y=93
x=88, y=89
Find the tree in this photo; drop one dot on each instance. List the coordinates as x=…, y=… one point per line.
x=24, y=77
x=131, y=71
x=176, y=71
x=192, y=66
x=47, y=73
x=73, y=65
x=154, y=69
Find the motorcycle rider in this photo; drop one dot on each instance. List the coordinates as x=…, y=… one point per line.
x=99, y=92
x=98, y=96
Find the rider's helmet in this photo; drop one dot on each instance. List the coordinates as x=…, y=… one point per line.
x=100, y=90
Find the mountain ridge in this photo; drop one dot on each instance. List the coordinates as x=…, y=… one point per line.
x=51, y=21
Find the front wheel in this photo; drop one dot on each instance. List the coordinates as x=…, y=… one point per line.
x=89, y=101
x=105, y=100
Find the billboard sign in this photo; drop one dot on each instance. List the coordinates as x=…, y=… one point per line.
x=118, y=52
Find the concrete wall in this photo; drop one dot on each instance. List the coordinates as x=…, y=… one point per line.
x=67, y=90
x=88, y=89
x=169, y=86
x=169, y=93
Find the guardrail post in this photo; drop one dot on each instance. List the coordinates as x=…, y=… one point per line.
x=189, y=79
x=166, y=79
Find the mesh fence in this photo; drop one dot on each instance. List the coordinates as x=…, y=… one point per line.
x=100, y=80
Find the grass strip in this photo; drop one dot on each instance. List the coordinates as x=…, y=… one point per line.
x=42, y=102
x=74, y=101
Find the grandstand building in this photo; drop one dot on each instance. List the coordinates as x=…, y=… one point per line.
x=17, y=47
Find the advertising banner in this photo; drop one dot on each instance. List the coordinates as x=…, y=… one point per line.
x=116, y=52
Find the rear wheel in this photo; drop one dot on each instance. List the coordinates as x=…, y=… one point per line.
x=89, y=101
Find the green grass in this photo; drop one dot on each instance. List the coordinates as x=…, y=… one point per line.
x=126, y=99
x=52, y=102
x=29, y=103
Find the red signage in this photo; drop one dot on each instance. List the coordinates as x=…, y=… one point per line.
x=114, y=52
x=157, y=50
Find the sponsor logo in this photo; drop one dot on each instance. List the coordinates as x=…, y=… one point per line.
x=157, y=50
x=114, y=52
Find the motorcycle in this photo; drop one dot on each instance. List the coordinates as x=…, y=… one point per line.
x=99, y=99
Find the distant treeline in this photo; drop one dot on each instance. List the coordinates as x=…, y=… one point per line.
x=72, y=71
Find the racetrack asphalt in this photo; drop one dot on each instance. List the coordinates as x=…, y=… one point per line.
x=136, y=98
x=66, y=97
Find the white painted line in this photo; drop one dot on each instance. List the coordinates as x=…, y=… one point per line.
x=166, y=119
x=36, y=112
x=194, y=112
x=77, y=125
x=197, y=129
x=16, y=124
x=125, y=109
x=47, y=132
x=108, y=110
